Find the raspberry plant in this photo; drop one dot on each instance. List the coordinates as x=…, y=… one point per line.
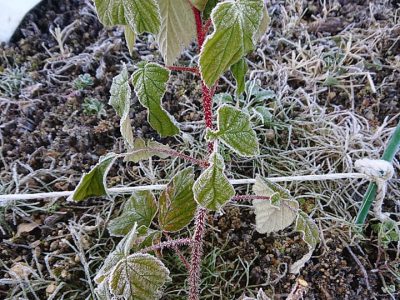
x=132, y=271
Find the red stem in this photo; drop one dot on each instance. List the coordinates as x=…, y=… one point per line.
x=184, y=69
x=207, y=26
x=179, y=253
x=196, y=255
x=199, y=27
x=197, y=247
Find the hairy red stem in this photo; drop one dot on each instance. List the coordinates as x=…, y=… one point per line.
x=179, y=253
x=197, y=247
x=199, y=27
x=207, y=26
x=184, y=69
x=196, y=255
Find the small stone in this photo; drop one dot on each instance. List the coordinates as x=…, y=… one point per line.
x=51, y=288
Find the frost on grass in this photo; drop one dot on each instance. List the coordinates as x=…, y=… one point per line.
x=235, y=131
x=150, y=86
x=235, y=27
x=178, y=28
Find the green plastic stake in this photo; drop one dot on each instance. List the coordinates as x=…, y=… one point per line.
x=370, y=195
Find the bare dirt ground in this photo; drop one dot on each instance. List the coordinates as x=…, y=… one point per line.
x=333, y=67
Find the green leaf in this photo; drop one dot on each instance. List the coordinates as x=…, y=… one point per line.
x=141, y=208
x=235, y=27
x=265, y=187
x=111, y=12
x=93, y=184
x=178, y=28
x=234, y=130
x=139, y=277
x=120, y=100
x=120, y=252
x=150, y=86
x=265, y=21
x=177, y=205
x=263, y=114
x=211, y=4
x=213, y=189
x=223, y=98
x=308, y=229
x=239, y=71
x=310, y=234
x=275, y=214
x=257, y=93
x=130, y=38
x=143, y=150
x=199, y=4
x=146, y=237
x=141, y=16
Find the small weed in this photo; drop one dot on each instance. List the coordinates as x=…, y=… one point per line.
x=92, y=106
x=12, y=79
x=83, y=81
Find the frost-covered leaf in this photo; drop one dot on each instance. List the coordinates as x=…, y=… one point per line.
x=150, y=85
x=234, y=130
x=139, y=277
x=146, y=237
x=275, y=214
x=178, y=28
x=265, y=21
x=141, y=208
x=263, y=114
x=102, y=291
x=93, y=184
x=143, y=150
x=120, y=100
x=121, y=251
x=265, y=187
x=141, y=16
x=223, y=98
x=235, y=26
x=213, y=189
x=199, y=4
x=111, y=12
x=130, y=38
x=257, y=93
x=177, y=205
x=310, y=234
x=239, y=71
